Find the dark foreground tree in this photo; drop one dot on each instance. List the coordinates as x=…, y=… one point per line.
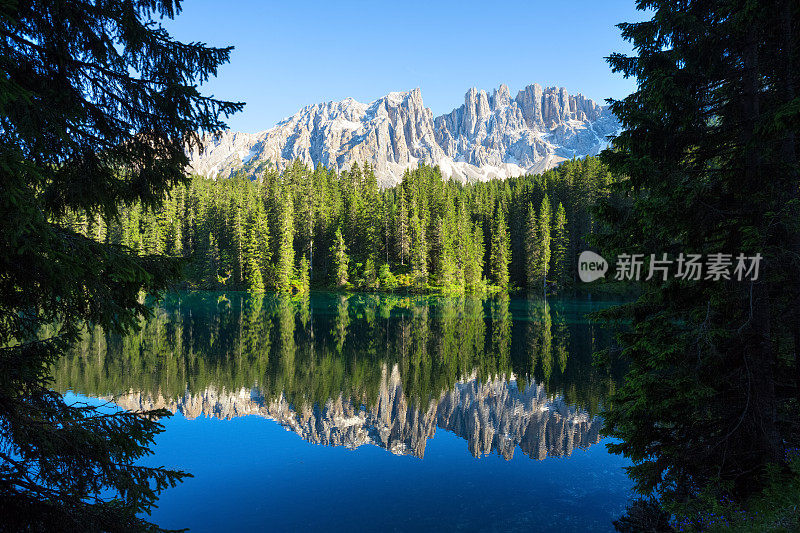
x=709, y=408
x=97, y=104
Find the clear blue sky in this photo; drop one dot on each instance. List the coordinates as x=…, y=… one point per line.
x=290, y=54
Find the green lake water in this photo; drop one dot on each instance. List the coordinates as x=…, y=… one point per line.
x=368, y=412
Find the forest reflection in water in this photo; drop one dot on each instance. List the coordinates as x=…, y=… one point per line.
x=359, y=369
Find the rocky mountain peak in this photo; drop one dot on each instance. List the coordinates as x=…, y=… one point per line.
x=501, y=96
x=489, y=136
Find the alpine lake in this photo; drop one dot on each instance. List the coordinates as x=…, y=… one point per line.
x=364, y=412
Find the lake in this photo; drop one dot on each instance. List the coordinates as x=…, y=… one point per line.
x=368, y=412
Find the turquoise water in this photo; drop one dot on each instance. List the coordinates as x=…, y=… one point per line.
x=368, y=413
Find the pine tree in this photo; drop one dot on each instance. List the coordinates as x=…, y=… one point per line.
x=152, y=237
x=543, y=230
x=340, y=259
x=306, y=209
x=500, y=251
x=403, y=240
x=559, y=247
x=419, y=249
x=175, y=237
x=473, y=267
x=387, y=216
x=211, y=264
x=262, y=239
x=303, y=276
x=442, y=268
x=237, y=238
x=462, y=243
x=256, y=244
x=175, y=247
x=533, y=250
x=131, y=232
x=370, y=275
x=373, y=207
x=284, y=268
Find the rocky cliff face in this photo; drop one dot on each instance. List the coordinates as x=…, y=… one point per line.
x=490, y=136
x=494, y=416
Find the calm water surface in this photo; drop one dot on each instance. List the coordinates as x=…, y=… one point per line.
x=366, y=412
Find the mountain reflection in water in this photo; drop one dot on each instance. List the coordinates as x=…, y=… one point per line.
x=363, y=369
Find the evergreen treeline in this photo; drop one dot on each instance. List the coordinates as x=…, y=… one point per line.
x=300, y=227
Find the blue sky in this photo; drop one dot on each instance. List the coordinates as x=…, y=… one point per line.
x=289, y=54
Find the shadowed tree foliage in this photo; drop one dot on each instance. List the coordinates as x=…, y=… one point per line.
x=709, y=408
x=97, y=105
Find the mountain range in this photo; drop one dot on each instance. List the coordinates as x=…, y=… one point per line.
x=490, y=136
